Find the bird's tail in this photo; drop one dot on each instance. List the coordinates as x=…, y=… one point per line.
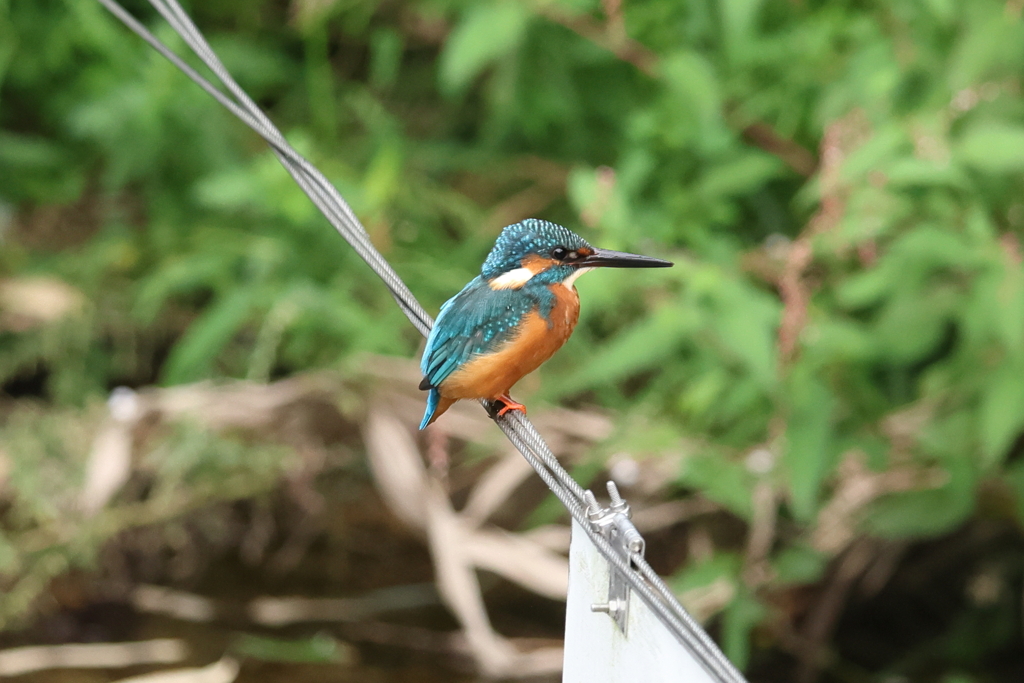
x=436, y=405
x=433, y=398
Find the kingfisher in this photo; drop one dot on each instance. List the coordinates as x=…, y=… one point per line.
x=513, y=316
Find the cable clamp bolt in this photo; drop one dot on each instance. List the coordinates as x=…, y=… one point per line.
x=613, y=523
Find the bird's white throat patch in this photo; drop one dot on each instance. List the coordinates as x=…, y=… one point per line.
x=575, y=274
x=513, y=279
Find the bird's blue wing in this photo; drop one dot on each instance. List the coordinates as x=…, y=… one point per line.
x=475, y=321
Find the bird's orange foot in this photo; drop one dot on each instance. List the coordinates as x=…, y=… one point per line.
x=504, y=404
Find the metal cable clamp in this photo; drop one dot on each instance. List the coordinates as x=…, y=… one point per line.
x=614, y=524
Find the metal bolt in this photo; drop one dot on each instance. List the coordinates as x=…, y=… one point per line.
x=618, y=504
x=594, y=511
x=611, y=608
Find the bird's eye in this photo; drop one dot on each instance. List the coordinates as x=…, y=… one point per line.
x=559, y=253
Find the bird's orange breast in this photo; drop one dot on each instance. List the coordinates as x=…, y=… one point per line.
x=492, y=375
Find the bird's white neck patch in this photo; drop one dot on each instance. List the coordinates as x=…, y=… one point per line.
x=568, y=282
x=513, y=279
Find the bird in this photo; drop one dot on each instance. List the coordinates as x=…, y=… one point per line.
x=512, y=317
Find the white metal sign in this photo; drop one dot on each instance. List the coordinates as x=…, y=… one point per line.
x=597, y=650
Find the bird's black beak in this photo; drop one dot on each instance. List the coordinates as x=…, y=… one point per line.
x=619, y=259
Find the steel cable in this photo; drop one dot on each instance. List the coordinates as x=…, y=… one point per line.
x=516, y=426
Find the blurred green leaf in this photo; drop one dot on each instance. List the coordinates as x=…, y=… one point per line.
x=993, y=147
x=738, y=24
x=799, y=564
x=700, y=574
x=911, y=172
x=925, y=513
x=317, y=649
x=192, y=358
x=745, y=322
x=1001, y=412
x=386, y=57
x=740, y=618
x=36, y=169
x=739, y=176
x=1015, y=479
x=721, y=480
x=809, y=453
x=984, y=45
x=9, y=556
x=645, y=346
x=691, y=81
x=485, y=33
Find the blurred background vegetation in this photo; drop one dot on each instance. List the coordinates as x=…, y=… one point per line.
x=836, y=361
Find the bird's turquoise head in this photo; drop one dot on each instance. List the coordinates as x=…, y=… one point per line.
x=539, y=252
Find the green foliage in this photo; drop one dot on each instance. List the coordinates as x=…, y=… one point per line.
x=485, y=33
x=838, y=182
x=318, y=649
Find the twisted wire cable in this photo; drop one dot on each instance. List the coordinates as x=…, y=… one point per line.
x=519, y=430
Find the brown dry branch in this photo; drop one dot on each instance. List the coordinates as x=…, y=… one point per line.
x=616, y=21
x=301, y=535
x=700, y=546
x=266, y=409
x=761, y=535
x=672, y=512
x=5, y=470
x=281, y=611
x=137, y=423
x=793, y=154
x=885, y=564
x=458, y=548
x=904, y=426
x=869, y=561
x=19, y=661
x=173, y=603
x=459, y=588
x=795, y=298
x=605, y=36
x=461, y=543
x=842, y=136
x=856, y=486
x=495, y=486
x=551, y=536
x=825, y=612
x=704, y=602
x=224, y=670
x=765, y=498
x=28, y=303
x=253, y=547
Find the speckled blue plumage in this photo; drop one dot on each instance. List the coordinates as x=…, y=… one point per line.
x=531, y=236
x=478, y=320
